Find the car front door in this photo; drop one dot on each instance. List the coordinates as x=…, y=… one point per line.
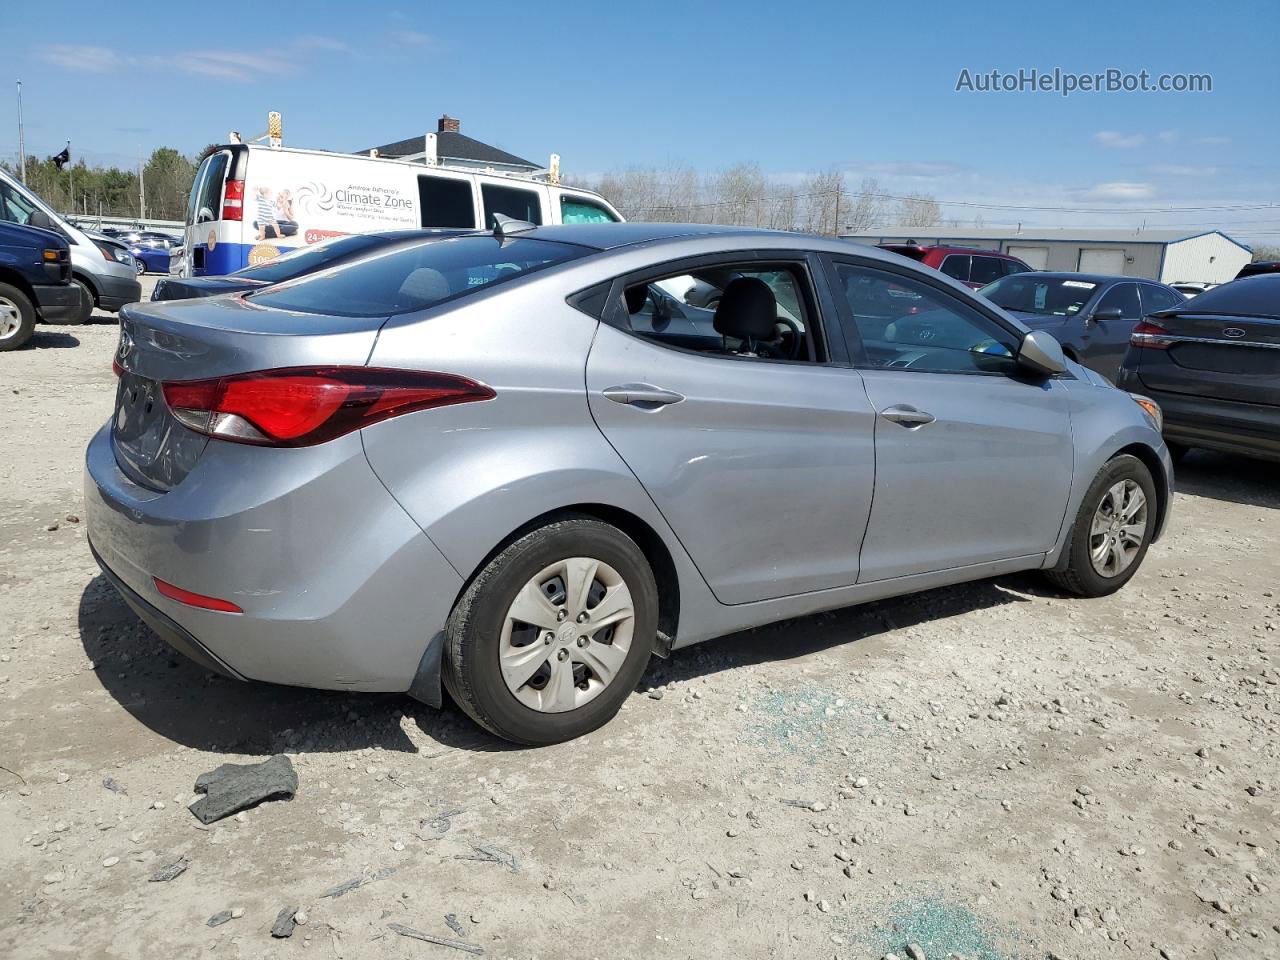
x=1105, y=335
x=973, y=459
x=762, y=467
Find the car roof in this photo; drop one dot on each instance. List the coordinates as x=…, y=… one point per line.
x=944, y=248
x=609, y=236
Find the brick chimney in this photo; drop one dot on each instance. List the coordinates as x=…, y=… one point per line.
x=448, y=124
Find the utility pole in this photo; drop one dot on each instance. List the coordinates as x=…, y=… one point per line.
x=22, y=143
x=142, y=190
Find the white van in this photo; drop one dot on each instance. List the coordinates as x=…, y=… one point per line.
x=102, y=268
x=252, y=202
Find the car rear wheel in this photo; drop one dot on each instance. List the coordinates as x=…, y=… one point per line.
x=86, y=303
x=1112, y=530
x=554, y=633
x=17, y=318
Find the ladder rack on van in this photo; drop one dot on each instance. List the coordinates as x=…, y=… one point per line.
x=430, y=155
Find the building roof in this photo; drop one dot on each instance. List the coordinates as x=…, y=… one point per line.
x=455, y=146
x=1048, y=234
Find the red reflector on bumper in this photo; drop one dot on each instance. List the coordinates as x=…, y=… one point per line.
x=195, y=599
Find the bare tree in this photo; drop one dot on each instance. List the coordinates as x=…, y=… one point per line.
x=867, y=208
x=919, y=210
x=736, y=195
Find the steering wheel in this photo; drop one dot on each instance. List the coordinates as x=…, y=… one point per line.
x=788, y=339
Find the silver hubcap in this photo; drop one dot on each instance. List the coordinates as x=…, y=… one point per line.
x=10, y=318
x=1118, y=529
x=566, y=635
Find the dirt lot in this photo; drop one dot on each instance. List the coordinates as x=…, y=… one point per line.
x=989, y=771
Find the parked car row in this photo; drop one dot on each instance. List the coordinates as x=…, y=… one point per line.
x=101, y=271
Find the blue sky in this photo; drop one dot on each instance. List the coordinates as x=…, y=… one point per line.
x=793, y=86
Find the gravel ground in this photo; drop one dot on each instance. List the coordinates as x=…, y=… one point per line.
x=990, y=771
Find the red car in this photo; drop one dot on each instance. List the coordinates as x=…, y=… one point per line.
x=973, y=268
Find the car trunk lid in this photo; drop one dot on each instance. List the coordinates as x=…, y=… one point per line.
x=1223, y=356
x=202, y=339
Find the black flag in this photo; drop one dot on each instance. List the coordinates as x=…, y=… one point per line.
x=64, y=157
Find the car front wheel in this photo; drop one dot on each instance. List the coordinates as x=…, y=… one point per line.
x=553, y=634
x=1112, y=530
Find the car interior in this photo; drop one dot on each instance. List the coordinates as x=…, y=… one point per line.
x=908, y=325
x=754, y=311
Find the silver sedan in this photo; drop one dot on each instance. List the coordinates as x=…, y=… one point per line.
x=498, y=461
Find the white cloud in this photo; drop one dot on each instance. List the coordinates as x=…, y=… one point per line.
x=1168, y=136
x=1213, y=141
x=1119, y=191
x=916, y=169
x=86, y=58
x=411, y=38
x=1121, y=141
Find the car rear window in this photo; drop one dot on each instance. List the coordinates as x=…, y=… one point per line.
x=413, y=278
x=307, y=259
x=1251, y=297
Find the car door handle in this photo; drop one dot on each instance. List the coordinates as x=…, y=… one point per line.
x=907, y=415
x=642, y=395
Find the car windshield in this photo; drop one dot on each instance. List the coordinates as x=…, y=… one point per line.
x=1050, y=296
x=416, y=277
x=303, y=260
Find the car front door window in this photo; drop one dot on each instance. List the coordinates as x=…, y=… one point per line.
x=909, y=325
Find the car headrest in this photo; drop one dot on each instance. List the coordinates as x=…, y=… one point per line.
x=747, y=310
x=636, y=297
x=426, y=285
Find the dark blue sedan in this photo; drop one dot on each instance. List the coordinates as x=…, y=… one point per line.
x=1090, y=314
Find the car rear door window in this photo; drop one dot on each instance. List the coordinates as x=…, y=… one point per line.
x=446, y=202
x=411, y=278
x=956, y=265
x=905, y=324
x=1158, y=298
x=986, y=269
x=511, y=202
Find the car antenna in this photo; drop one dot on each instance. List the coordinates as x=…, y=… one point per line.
x=504, y=226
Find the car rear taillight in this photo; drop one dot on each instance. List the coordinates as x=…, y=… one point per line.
x=1150, y=335
x=233, y=200
x=302, y=406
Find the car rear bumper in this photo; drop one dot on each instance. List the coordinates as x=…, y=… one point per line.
x=57, y=302
x=1228, y=425
x=339, y=588
x=114, y=292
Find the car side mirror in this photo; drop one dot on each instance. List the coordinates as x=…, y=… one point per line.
x=1107, y=313
x=1041, y=354
x=41, y=219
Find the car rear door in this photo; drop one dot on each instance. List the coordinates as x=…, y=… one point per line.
x=763, y=468
x=973, y=460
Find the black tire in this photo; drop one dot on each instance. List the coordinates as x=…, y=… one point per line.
x=11, y=298
x=86, y=303
x=1079, y=576
x=472, y=673
x=139, y=268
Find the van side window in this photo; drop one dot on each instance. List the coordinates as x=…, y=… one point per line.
x=582, y=210
x=446, y=202
x=14, y=208
x=510, y=201
x=208, y=205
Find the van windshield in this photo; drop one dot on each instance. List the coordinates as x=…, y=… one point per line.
x=304, y=260
x=416, y=277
